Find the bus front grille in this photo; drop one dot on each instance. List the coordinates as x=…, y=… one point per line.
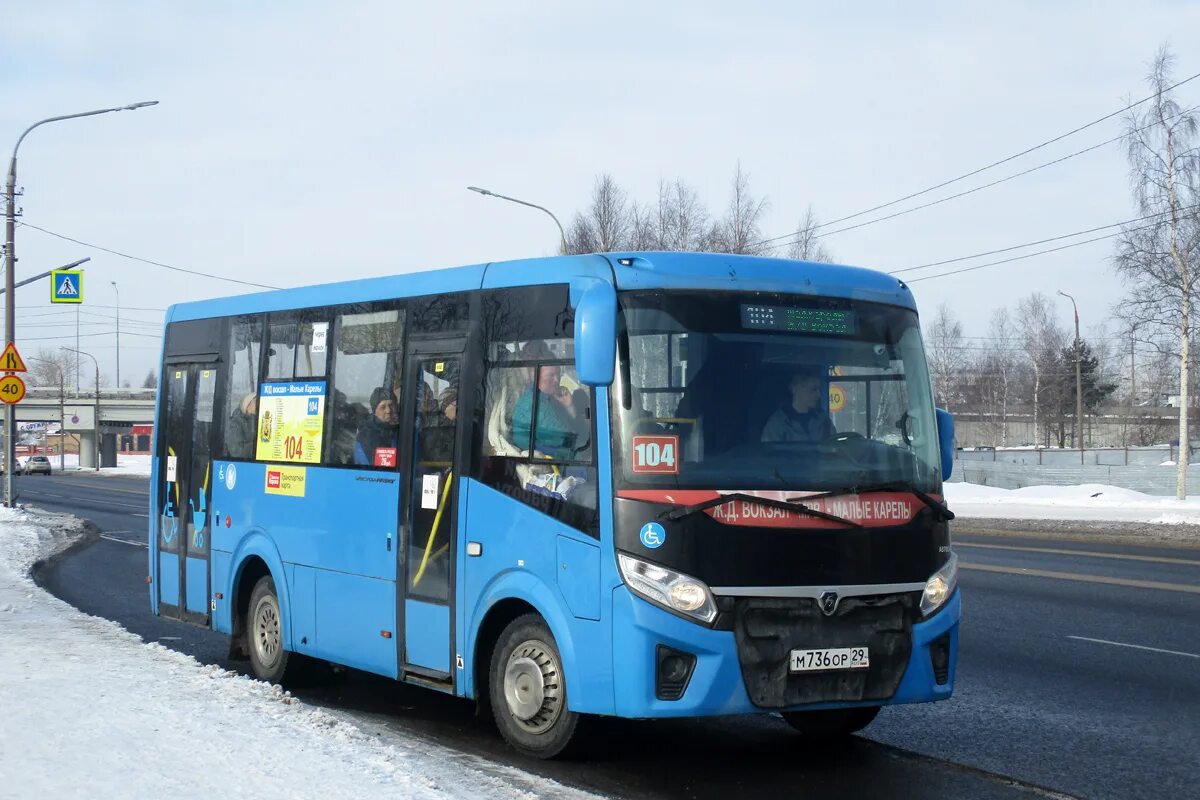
x=767, y=629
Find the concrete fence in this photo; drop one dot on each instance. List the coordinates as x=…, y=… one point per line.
x=1141, y=469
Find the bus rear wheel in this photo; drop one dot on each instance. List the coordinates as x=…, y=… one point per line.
x=831, y=722
x=528, y=691
x=264, y=632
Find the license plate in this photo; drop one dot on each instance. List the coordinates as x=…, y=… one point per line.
x=829, y=658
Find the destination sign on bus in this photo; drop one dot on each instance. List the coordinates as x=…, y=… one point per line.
x=291, y=418
x=795, y=319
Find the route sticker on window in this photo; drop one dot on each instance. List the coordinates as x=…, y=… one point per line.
x=655, y=455
x=385, y=456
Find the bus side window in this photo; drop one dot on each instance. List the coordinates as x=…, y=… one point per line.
x=537, y=443
x=241, y=410
x=369, y=346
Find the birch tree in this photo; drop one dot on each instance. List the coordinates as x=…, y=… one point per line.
x=1041, y=339
x=806, y=246
x=1157, y=257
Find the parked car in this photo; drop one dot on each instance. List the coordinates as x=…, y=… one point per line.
x=37, y=465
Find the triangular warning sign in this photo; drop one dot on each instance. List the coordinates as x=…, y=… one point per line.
x=67, y=288
x=10, y=360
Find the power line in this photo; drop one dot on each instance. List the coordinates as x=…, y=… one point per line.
x=972, y=191
x=984, y=168
x=148, y=261
x=1041, y=241
x=1036, y=253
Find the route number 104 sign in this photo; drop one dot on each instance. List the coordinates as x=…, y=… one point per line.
x=291, y=419
x=655, y=455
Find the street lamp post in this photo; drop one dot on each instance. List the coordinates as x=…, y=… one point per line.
x=96, y=421
x=10, y=260
x=115, y=289
x=488, y=193
x=1078, y=379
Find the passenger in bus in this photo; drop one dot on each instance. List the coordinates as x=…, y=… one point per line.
x=437, y=429
x=801, y=418
x=558, y=429
x=242, y=427
x=379, y=432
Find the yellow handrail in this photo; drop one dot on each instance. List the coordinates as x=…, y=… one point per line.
x=437, y=520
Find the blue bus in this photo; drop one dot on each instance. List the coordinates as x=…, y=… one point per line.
x=637, y=484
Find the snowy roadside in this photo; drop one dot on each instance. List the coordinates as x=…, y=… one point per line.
x=89, y=710
x=1085, y=510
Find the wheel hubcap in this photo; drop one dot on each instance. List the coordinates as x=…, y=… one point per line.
x=533, y=686
x=266, y=634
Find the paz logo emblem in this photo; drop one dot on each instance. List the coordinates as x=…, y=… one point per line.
x=828, y=602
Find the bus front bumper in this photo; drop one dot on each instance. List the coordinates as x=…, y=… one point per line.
x=716, y=685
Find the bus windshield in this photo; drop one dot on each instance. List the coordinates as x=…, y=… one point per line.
x=738, y=391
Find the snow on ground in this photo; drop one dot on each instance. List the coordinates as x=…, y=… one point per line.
x=127, y=464
x=88, y=710
x=1089, y=501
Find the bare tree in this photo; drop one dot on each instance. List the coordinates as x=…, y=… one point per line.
x=947, y=357
x=49, y=366
x=998, y=373
x=606, y=225
x=151, y=380
x=1041, y=340
x=806, y=246
x=1157, y=258
x=681, y=217
x=739, y=231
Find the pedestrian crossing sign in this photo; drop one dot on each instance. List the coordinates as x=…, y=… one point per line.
x=66, y=286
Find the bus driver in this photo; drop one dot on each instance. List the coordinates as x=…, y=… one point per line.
x=803, y=419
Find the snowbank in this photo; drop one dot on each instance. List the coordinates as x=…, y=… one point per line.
x=1089, y=501
x=88, y=710
x=127, y=464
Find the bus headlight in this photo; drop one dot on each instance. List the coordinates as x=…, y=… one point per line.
x=940, y=586
x=668, y=588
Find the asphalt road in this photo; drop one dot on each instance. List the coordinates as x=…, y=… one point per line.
x=1079, y=672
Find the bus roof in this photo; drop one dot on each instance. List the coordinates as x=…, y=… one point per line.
x=633, y=270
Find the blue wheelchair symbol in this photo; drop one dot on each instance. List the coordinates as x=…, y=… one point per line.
x=653, y=535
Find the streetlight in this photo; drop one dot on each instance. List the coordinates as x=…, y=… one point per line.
x=115, y=289
x=62, y=412
x=10, y=260
x=488, y=193
x=96, y=422
x=1078, y=379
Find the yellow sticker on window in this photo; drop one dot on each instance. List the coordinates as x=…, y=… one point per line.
x=439, y=366
x=206, y=373
x=178, y=374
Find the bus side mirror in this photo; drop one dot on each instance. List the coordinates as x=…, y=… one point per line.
x=596, y=334
x=945, y=425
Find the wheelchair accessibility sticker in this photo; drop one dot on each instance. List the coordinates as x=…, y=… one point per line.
x=653, y=535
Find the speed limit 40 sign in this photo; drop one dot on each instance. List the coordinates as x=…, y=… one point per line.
x=12, y=389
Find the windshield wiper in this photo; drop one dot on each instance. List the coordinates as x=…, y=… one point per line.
x=938, y=507
x=787, y=505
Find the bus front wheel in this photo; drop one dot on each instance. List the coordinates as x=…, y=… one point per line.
x=528, y=690
x=264, y=632
x=831, y=722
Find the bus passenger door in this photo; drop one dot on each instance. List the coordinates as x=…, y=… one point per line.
x=430, y=519
x=185, y=477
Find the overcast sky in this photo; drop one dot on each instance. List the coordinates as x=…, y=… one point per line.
x=298, y=143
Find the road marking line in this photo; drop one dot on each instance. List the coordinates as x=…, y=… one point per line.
x=1135, y=646
x=1074, y=576
x=122, y=541
x=1092, y=553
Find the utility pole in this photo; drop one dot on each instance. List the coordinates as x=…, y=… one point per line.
x=10, y=260
x=114, y=285
x=1078, y=380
